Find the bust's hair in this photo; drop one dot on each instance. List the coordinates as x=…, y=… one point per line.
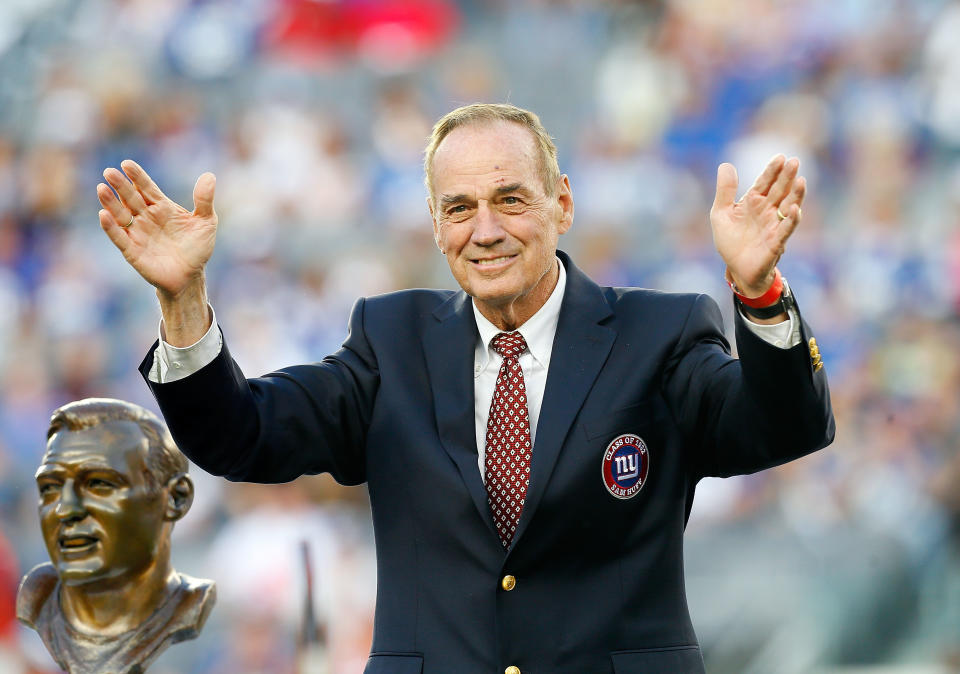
x=487, y=113
x=164, y=460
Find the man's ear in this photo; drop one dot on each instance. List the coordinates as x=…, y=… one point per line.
x=179, y=497
x=565, y=202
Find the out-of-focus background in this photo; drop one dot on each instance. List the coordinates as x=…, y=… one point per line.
x=313, y=114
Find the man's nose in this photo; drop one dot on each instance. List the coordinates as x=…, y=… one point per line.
x=69, y=505
x=488, y=228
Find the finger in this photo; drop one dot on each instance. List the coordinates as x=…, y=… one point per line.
x=795, y=198
x=109, y=201
x=787, y=226
x=765, y=179
x=203, y=195
x=116, y=233
x=142, y=181
x=727, y=182
x=129, y=196
x=784, y=182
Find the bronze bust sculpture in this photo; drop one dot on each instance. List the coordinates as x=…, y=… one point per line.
x=112, y=484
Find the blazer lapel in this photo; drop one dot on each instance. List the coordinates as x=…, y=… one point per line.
x=449, y=344
x=580, y=348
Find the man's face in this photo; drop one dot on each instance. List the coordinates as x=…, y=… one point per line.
x=494, y=218
x=101, y=521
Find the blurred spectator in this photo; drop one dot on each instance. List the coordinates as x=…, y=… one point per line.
x=942, y=71
x=9, y=579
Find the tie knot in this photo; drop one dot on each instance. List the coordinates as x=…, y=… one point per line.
x=509, y=344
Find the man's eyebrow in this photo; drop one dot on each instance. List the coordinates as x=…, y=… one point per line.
x=448, y=199
x=512, y=187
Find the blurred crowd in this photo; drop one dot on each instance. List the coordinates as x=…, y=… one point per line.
x=314, y=114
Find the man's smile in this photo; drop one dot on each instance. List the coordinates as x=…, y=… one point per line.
x=492, y=263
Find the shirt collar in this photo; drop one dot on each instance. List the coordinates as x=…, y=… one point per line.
x=538, y=331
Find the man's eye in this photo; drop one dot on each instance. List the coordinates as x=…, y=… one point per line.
x=511, y=201
x=458, y=209
x=47, y=488
x=100, y=485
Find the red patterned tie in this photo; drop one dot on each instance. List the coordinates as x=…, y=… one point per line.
x=507, y=460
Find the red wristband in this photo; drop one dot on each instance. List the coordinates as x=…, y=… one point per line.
x=766, y=299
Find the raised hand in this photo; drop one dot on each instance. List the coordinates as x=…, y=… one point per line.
x=751, y=234
x=168, y=245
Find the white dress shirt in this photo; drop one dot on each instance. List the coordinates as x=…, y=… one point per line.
x=171, y=363
x=538, y=331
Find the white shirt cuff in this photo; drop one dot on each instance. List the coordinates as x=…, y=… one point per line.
x=171, y=363
x=784, y=335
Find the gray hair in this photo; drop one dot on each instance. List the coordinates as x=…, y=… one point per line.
x=486, y=113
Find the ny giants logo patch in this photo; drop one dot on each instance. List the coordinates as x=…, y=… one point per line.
x=625, y=465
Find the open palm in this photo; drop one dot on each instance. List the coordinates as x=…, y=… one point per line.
x=167, y=244
x=751, y=234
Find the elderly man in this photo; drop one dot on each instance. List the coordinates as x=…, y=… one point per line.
x=531, y=443
x=112, y=484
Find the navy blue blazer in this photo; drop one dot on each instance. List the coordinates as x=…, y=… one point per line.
x=598, y=578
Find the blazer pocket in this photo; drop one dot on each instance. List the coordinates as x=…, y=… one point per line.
x=626, y=420
x=394, y=663
x=668, y=660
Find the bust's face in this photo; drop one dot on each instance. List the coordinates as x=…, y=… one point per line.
x=101, y=520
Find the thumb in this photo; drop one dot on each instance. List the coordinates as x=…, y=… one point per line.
x=726, y=186
x=203, y=195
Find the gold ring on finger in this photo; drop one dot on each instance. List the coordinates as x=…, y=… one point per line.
x=129, y=223
x=781, y=215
